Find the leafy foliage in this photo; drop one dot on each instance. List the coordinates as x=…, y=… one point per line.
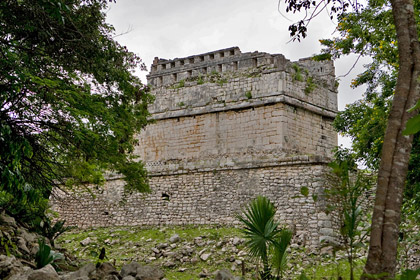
x=410, y=274
x=69, y=103
x=45, y=255
x=52, y=230
x=371, y=32
x=263, y=236
x=347, y=193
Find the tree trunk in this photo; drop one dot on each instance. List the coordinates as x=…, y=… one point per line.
x=396, y=148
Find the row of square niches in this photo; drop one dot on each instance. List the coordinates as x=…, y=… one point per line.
x=194, y=59
x=233, y=66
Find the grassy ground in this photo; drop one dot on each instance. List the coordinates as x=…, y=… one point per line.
x=124, y=245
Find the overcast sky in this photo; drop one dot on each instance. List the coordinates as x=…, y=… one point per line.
x=169, y=29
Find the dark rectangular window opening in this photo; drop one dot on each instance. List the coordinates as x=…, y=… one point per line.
x=232, y=52
x=212, y=56
x=163, y=66
x=222, y=54
x=255, y=62
x=189, y=73
x=191, y=60
x=202, y=58
x=172, y=64
x=205, y=70
x=235, y=65
x=174, y=77
x=181, y=62
x=219, y=68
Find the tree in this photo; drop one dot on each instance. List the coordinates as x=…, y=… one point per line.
x=396, y=146
x=365, y=120
x=70, y=104
x=345, y=193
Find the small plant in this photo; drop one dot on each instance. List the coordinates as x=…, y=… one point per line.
x=7, y=244
x=45, y=255
x=264, y=239
x=221, y=81
x=200, y=80
x=214, y=73
x=181, y=104
x=248, y=94
x=409, y=274
x=346, y=192
x=310, y=85
x=181, y=84
x=52, y=231
x=297, y=76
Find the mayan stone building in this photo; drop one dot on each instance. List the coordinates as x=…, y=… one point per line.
x=228, y=126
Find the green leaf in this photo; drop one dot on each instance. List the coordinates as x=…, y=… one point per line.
x=409, y=274
x=413, y=126
x=415, y=107
x=304, y=191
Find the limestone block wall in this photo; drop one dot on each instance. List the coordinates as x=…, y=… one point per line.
x=209, y=197
x=227, y=127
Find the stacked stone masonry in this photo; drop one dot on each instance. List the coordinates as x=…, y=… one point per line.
x=228, y=127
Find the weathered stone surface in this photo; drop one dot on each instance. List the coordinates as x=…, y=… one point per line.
x=105, y=271
x=86, y=241
x=130, y=269
x=174, y=238
x=141, y=272
x=223, y=274
x=7, y=220
x=84, y=271
x=205, y=257
x=149, y=273
x=46, y=273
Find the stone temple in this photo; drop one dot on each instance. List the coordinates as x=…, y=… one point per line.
x=228, y=127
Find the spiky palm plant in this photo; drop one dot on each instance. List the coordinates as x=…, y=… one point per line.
x=260, y=230
x=279, y=251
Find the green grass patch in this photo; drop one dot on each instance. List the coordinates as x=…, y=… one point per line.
x=126, y=244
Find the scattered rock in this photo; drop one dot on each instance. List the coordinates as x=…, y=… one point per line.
x=46, y=273
x=205, y=257
x=149, y=273
x=242, y=253
x=142, y=272
x=174, y=238
x=84, y=271
x=162, y=245
x=7, y=220
x=182, y=269
x=9, y=265
x=236, y=241
x=86, y=241
x=223, y=274
x=106, y=271
x=199, y=241
x=169, y=264
x=204, y=273
x=21, y=244
x=130, y=269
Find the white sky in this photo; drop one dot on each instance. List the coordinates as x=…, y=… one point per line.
x=169, y=29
